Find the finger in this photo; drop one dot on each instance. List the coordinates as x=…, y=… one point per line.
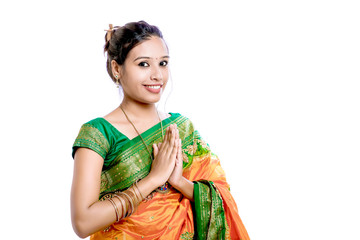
x=156, y=149
x=166, y=134
x=177, y=133
x=170, y=148
x=169, y=143
x=173, y=137
x=173, y=153
x=179, y=153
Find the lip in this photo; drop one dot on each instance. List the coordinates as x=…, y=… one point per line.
x=153, y=90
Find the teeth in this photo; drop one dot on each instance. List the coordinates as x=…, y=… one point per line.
x=154, y=87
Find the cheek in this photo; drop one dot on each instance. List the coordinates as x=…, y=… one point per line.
x=166, y=74
x=133, y=77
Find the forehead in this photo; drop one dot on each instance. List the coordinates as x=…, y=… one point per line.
x=155, y=47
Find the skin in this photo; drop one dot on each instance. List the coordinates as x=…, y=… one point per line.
x=146, y=64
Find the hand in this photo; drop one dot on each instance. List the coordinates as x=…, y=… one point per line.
x=176, y=179
x=176, y=175
x=164, y=157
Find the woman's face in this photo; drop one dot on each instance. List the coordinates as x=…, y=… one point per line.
x=145, y=72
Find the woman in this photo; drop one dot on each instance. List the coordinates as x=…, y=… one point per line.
x=154, y=175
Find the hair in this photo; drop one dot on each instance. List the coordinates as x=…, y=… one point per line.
x=123, y=39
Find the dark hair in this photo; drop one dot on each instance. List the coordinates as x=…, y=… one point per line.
x=123, y=39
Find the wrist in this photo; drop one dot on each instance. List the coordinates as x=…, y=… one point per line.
x=152, y=182
x=186, y=187
x=179, y=184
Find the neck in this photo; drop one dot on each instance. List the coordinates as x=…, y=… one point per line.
x=139, y=110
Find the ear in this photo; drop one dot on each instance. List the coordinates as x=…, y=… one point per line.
x=116, y=69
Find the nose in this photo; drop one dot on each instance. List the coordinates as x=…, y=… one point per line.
x=156, y=73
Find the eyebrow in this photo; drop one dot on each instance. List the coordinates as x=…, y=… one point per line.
x=150, y=57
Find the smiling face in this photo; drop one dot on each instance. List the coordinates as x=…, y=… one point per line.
x=144, y=74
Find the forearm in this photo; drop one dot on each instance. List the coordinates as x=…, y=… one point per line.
x=100, y=214
x=186, y=187
x=88, y=220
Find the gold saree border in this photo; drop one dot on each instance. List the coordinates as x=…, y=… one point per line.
x=210, y=222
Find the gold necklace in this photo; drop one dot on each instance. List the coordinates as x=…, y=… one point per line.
x=162, y=130
x=165, y=187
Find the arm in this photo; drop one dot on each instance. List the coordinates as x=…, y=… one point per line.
x=89, y=215
x=186, y=187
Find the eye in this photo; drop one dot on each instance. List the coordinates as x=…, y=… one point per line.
x=164, y=63
x=143, y=64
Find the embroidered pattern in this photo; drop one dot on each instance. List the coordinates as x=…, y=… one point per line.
x=209, y=211
x=187, y=236
x=191, y=149
x=90, y=137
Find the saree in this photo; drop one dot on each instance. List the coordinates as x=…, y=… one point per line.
x=212, y=215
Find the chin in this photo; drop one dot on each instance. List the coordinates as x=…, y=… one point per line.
x=150, y=100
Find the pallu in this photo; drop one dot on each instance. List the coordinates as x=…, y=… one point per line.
x=212, y=215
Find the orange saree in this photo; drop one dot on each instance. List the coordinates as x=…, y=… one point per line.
x=212, y=215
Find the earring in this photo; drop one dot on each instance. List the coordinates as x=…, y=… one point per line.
x=117, y=81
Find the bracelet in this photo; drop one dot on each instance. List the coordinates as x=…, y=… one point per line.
x=134, y=197
x=131, y=203
x=116, y=209
x=138, y=197
x=136, y=185
x=126, y=199
x=123, y=206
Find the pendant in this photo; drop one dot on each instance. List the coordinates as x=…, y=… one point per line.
x=163, y=188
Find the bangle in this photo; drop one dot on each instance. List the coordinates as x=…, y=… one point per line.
x=116, y=209
x=123, y=206
x=126, y=199
x=136, y=185
x=133, y=197
x=130, y=201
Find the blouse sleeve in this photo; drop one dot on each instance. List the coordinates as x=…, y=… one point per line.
x=91, y=137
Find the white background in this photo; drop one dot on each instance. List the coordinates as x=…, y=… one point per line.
x=272, y=86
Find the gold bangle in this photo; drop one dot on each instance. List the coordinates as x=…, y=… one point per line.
x=131, y=203
x=138, y=193
x=136, y=185
x=133, y=197
x=127, y=205
x=122, y=202
x=116, y=209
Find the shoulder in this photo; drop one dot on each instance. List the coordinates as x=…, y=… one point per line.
x=96, y=124
x=92, y=136
x=94, y=129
